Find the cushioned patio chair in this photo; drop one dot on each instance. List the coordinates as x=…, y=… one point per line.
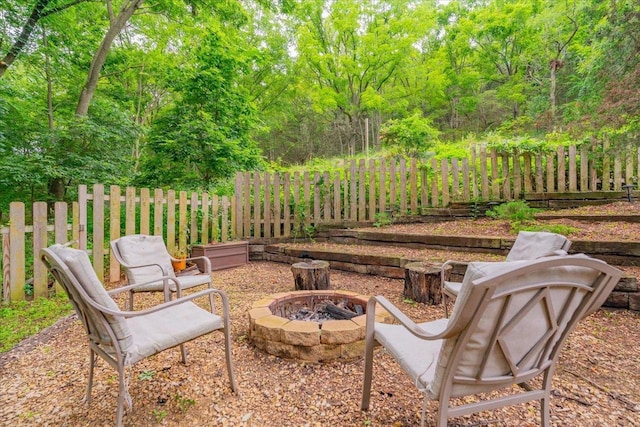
x=145, y=259
x=528, y=245
x=123, y=338
x=508, y=326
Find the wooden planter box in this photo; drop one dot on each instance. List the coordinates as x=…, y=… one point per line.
x=222, y=255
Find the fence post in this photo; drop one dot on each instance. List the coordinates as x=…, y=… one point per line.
x=114, y=230
x=16, y=252
x=40, y=282
x=98, y=230
x=372, y=190
x=61, y=231
x=82, y=217
x=145, y=211
x=6, y=267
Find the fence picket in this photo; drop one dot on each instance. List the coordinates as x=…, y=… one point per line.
x=61, y=231
x=506, y=181
x=277, y=214
x=98, y=230
x=145, y=211
x=372, y=191
x=444, y=172
x=267, y=205
x=158, y=214
x=495, y=180
x=413, y=184
x=286, y=200
x=39, y=241
x=171, y=221
x=16, y=252
x=362, y=198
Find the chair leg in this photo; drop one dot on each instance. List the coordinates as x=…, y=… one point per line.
x=122, y=390
x=183, y=352
x=131, y=300
x=545, y=418
x=368, y=372
x=227, y=350
x=545, y=402
x=92, y=362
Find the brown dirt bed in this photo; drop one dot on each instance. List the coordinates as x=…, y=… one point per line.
x=597, y=384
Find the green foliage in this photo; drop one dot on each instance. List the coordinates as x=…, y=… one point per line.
x=205, y=136
x=184, y=403
x=414, y=135
x=514, y=211
x=146, y=375
x=25, y=318
x=540, y=226
x=381, y=219
x=159, y=414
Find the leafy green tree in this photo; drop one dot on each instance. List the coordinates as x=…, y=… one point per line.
x=205, y=135
x=414, y=135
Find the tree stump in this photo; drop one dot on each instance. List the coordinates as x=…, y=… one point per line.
x=311, y=275
x=422, y=282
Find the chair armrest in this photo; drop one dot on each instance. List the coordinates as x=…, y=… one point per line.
x=182, y=300
x=159, y=307
x=449, y=265
x=404, y=320
x=166, y=280
x=205, y=260
x=132, y=267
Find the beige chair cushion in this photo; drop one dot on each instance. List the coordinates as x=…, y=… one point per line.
x=535, y=244
x=145, y=250
x=80, y=266
x=167, y=328
x=417, y=357
x=533, y=327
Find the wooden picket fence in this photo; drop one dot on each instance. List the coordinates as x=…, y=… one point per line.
x=273, y=205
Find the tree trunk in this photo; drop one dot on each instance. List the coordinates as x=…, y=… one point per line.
x=552, y=92
x=422, y=283
x=99, y=58
x=24, y=36
x=313, y=275
x=57, y=188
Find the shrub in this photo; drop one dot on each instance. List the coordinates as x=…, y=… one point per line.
x=515, y=211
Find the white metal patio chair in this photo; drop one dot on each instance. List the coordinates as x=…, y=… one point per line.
x=508, y=326
x=527, y=246
x=123, y=338
x=147, y=263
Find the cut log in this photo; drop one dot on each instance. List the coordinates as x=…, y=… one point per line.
x=422, y=283
x=311, y=275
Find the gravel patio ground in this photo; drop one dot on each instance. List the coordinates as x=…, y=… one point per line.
x=597, y=384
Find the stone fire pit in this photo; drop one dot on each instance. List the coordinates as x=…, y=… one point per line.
x=312, y=341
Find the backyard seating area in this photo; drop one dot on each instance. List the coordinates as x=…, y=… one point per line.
x=44, y=379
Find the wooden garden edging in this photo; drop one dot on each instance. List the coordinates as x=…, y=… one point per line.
x=626, y=294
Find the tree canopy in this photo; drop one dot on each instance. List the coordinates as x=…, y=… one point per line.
x=184, y=93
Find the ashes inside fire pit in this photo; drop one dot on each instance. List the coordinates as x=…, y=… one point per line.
x=319, y=309
x=312, y=325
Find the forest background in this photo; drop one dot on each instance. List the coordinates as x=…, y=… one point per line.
x=182, y=94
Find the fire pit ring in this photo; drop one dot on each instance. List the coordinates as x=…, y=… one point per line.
x=310, y=341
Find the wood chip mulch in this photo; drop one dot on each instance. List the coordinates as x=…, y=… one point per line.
x=597, y=381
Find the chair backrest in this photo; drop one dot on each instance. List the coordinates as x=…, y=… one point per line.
x=513, y=319
x=535, y=244
x=140, y=249
x=73, y=270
